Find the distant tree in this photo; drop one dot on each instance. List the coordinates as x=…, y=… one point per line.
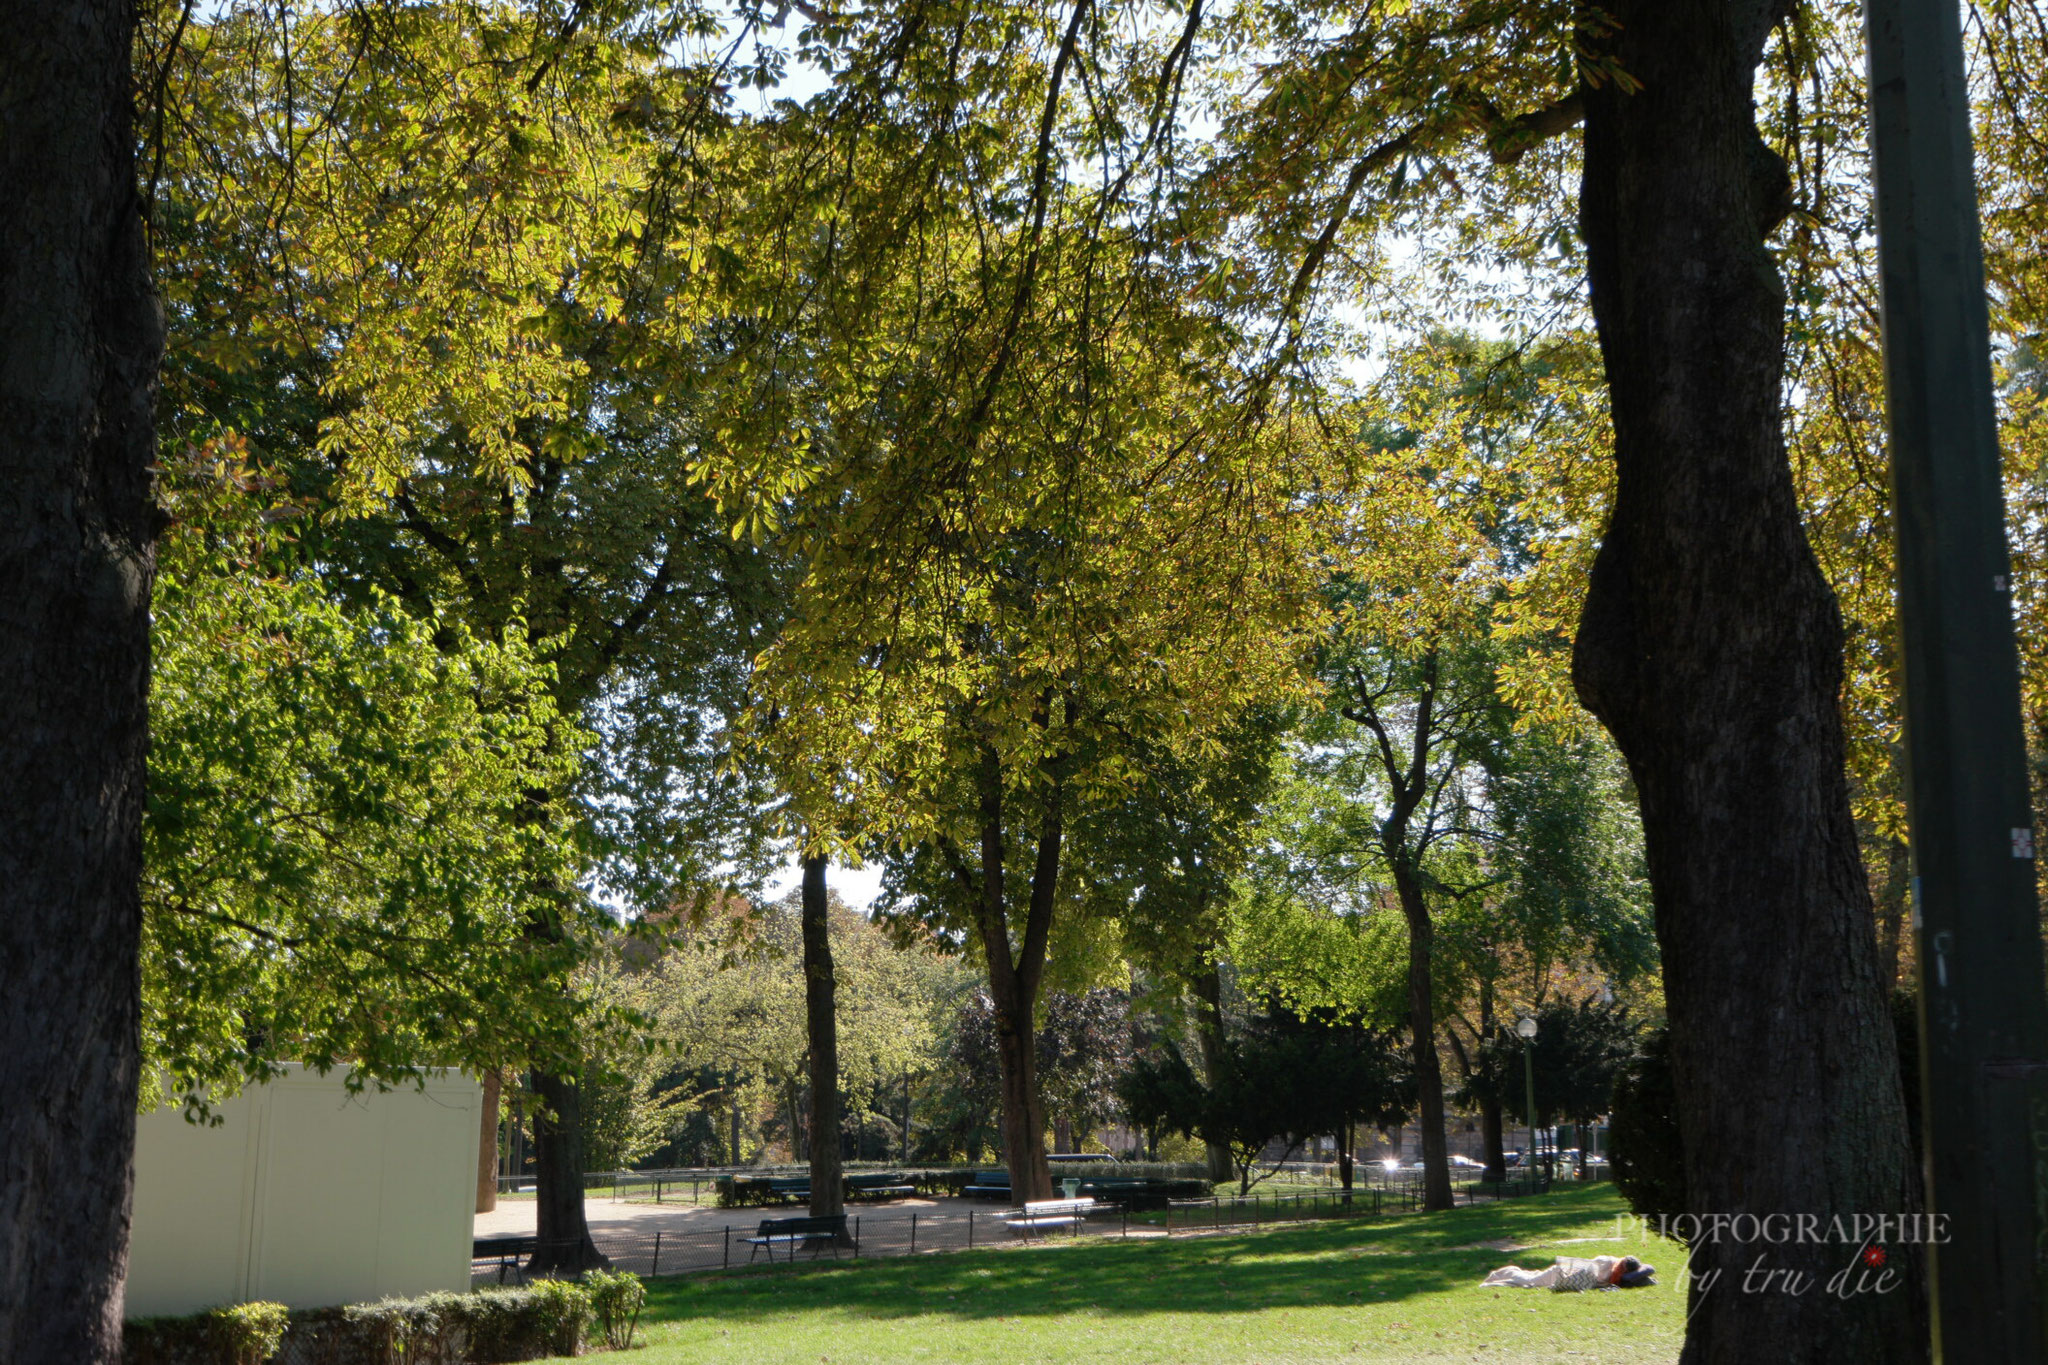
x=1282, y=1077
x=1580, y=1051
x=1083, y=1046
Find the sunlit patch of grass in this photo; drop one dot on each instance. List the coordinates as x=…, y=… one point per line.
x=1391, y=1289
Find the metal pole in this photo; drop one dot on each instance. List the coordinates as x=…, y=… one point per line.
x=1983, y=1018
x=1529, y=1075
x=655, y=1269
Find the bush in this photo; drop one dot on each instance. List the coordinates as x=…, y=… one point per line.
x=1648, y=1161
x=241, y=1334
x=616, y=1298
x=489, y=1327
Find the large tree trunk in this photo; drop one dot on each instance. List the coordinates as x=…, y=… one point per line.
x=1429, y=1073
x=821, y=1017
x=487, y=1145
x=1014, y=972
x=1712, y=649
x=1208, y=988
x=1023, y=1116
x=561, y=1232
x=80, y=338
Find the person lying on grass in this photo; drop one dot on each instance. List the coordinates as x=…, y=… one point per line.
x=1574, y=1273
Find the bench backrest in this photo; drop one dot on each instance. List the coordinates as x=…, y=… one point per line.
x=790, y=1227
x=1058, y=1206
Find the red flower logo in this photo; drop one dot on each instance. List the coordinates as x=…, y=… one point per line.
x=1873, y=1257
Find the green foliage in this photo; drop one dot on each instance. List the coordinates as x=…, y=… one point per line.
x=616, y=1298
x=725, y=998
x=1285, y=1076
x=1580, y=1053
x=339, y=863
x=1648, y=1156
x=238, y=1334
x=486, y=1327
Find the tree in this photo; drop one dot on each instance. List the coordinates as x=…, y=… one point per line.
x=1710, y=645
x=1282, y=1076
x=519, y=468
x=80, y=338
x=336, y=867
x=1083, y=1044
x=1580, y=1052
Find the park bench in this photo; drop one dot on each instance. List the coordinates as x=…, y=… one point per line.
x=988, y=1185
x=507, y=1252
x=1042, y=1215
x=814, y=1233
x=791, y=1189
x=881, y=1185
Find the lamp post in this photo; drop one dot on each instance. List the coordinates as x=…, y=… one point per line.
x=1526, y=1026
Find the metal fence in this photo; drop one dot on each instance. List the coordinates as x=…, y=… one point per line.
x=958, y=1226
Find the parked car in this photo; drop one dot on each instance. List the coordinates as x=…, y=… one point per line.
x=1466, y=1163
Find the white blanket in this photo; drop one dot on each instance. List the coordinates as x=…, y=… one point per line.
x=1570, y=1274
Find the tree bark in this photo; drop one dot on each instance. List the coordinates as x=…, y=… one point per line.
x=1493, y=1138
x=80, y=339
x=562, y=1242
x=487, y=1145
x=1208, y=988
x=821, y=1017
x=1711, y=648
x=1344, y=1160
x=1429, y=1072
x=1014, y=975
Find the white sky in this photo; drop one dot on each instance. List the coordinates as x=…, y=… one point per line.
x=858, y=887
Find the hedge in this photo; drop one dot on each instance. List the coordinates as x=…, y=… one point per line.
x=751, y=1189
x=485, y=1327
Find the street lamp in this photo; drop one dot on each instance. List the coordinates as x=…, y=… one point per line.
x=1526, y=1026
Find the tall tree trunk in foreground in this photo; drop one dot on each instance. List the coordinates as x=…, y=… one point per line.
x=821, y=1016
x=1712, y=649
x=561, y=1232
x=80, y=338
x=487, y=1144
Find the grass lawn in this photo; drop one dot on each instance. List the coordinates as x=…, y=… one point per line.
x=1392, y=1289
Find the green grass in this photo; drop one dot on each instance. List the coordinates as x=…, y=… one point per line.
x=1391, y=1289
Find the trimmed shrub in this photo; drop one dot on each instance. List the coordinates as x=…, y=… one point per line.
x=239, y=1334
x=488, y=1327
x=616, y=1298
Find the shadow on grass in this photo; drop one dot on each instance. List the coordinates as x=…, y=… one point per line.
x=1345, y=1262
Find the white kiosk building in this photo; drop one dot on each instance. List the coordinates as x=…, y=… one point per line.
x=305, y=1195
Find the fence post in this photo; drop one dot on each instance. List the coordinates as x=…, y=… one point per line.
x=970, y=1229
x=913, y=1232
x=856, y=1237
x=728, y=1249
x=655, y=1269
